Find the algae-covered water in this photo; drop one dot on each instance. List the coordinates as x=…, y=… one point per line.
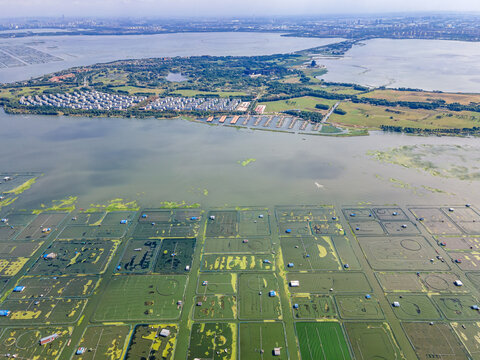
x=153, y=160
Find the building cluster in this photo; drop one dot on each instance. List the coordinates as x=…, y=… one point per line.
x=85, y=100
x=194, y=104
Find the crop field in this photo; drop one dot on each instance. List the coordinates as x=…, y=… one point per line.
x=147, y=343
x=215, y=307
x=174, y=256
x=40, y=312
x=237, y=245
x=435, y=341
x=401, y=253
x=468, y=332
x=138, y=256
x=353, y=214
x=294, y=228
x=142, y=298
x=466, y=261
x=87, y=218
x=305, y=213
x=258, y=340
x=92, y=232
x=345, y=252
x=372, y=340
x=400, y=228
x=372, y=116
x=308, y=253
x=103, y=342
x=34, y=230
x=216, y=341
x=436, y=221
x=313, y=307
x=19, y=249
x=326, y=228
x=11, y=266
x=390, y=214
x=422, y=96
x=254, y=223
x=25, y=342
x=245, y=262
x=19, y=218
x=457, y=307
x=221, y=283
x=225, y=223
x=299, y=103
x=155, y=230
x=54, y=287
x=7, y=233
x=254, y=299
x=367, y=228
x=358, y=307
x=322, y=341
x=75, y=257
x=414, y=307
x=328, y=282
x=459, y=243
x=438, y=282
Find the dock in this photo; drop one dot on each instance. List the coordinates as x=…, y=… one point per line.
x=210, y=119
x=222, y=119
x=234, y=120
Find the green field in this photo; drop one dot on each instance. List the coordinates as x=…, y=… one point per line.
x=299, y=103
x=308, y=253
x=435, y=341
x=147, y=343
x=55, y=287
x=457, y=307
x=25, y=342
x=40, y=312
x=358, y=307
x=254, y=299
x=469, y=332
x=313, y=307
x=324, y=340
x=139, y=256
x=221, y=283
x=75, y=257
x=142, y=298
x=215, y=307
x=258, y=340
x=221, y=262
x=237, y=245
x=174, y=256
x=414, y=307
x=328, y=282
x=372, y=340
x=103, y=342
x=216, y=341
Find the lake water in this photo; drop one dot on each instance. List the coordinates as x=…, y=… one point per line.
x=88, y=50
x=174, y=160
x=424, y=64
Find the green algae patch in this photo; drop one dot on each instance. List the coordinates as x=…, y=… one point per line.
x=177, y=205
x=67, y=204
x=6, y=202
x=23, y=187
x=114, y=205
x=436, y=160
x=246, y=162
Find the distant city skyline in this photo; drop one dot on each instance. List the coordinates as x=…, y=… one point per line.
x=197, y=8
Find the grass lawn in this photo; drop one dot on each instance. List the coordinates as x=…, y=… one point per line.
x=300, y=103
x=423, y=96
x=322, y=340
x=373, y=117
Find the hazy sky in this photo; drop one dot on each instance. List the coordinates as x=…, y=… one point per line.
x=177, y=8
